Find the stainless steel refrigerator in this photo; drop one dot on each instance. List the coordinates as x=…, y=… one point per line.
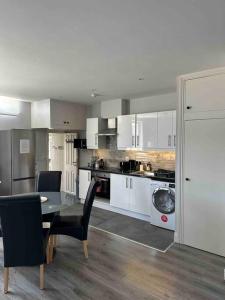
x=17, y=161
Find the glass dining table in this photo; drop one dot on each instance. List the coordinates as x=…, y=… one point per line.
x=57, y=201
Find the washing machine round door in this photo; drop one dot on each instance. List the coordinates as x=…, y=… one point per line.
x=163, y=199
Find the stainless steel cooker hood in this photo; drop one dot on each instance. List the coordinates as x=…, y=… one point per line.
x=110, y=130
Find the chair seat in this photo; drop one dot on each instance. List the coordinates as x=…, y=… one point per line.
x=68, y=221
x=68, y=225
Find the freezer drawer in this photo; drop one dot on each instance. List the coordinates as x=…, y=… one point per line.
x=22, y=186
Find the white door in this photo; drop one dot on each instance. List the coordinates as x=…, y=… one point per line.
x=140, y=195
x=146, y=131
x=126, y=129
x=201, y=91
x=84, y=182
x=70, y=163
x=91, y=133
x=204, y=188
x=119, y=191
x=165, y=129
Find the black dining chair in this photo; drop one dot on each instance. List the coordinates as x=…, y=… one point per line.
x=77, y=225
x=25, y=242
x=49, y=181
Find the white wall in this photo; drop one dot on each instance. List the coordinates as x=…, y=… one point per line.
x=142, y=105
x=94, y=110
x=21, y=121
x=153, y=103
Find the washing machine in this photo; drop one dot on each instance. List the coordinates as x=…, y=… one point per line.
x=163, y=204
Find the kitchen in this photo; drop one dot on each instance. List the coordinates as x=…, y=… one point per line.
x=112, y=162
x=126, y=149
x=130, y=153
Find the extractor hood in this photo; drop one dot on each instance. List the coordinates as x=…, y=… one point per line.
x=110, y=130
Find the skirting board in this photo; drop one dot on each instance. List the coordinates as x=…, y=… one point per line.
x=107, y=206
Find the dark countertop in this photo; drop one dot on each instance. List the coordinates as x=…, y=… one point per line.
x=131, y=173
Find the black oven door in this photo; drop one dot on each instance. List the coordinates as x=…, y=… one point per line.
x=103, y=190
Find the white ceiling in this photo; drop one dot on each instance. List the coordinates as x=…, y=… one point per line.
x=63, y=49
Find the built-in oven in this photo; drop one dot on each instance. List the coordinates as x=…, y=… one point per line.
x=103, y=191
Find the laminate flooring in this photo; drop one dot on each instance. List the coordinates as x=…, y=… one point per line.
x=127, y=227
x=118, y=269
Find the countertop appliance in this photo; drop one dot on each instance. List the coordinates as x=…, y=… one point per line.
x=163, y=204
x=128, y=166
x=17, y=161
x=80, y=143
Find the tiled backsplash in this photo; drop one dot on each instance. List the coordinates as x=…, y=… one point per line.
x=158, y=159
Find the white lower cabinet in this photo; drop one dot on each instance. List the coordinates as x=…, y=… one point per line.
x=140, y=195
x=119, y=191
x=84, y=182
x=130, y=193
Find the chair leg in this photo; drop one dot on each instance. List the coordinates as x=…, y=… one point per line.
x=42, y=277
x=51, y=244
x=6, y=280
x=54, y=240
x=48, y=253
x=85, y=247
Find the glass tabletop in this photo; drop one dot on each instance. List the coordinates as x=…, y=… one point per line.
x=57, y=201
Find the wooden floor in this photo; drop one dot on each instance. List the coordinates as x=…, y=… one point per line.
x=119, y=269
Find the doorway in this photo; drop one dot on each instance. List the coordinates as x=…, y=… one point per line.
x=63, y=157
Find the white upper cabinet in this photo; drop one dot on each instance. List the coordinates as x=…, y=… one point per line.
x=54, y=114
x=93, y=126
x=126, y=130
x=203, y=95
x=146, y=131
x=165, y=130
x=92, y=131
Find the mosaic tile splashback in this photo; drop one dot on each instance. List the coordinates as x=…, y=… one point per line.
x=158, y=159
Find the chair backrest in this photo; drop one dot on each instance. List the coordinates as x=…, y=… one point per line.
x=49, y=181
x=21, y=222
x=89, y=201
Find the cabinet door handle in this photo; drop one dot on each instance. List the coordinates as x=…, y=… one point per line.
x=174, y=140
x=187, y=179
x=189, y=107
x=126, y=183
x=169, y=140
x=131, y=184
x=95, y=140
x=132, y=140
x=138, y=140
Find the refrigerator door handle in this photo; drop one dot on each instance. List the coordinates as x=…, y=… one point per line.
x=25, y=178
